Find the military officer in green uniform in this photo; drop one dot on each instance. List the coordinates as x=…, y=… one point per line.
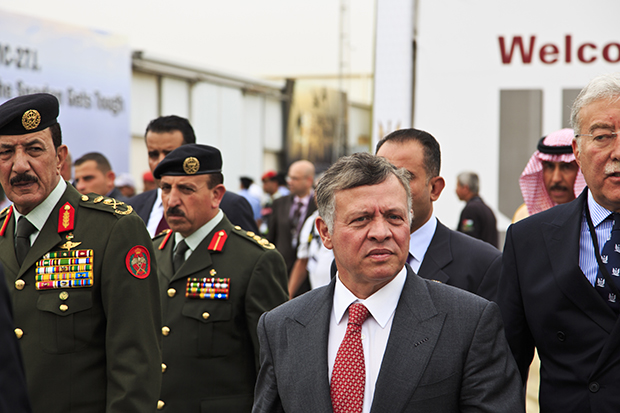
x=82, y=279
x=215, y=281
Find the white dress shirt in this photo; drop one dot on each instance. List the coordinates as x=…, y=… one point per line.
x=602, y=228
x=419, y=242
x=156, y=215
x=38, y=216
x=375, y=330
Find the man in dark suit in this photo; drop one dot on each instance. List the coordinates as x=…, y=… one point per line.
x=13, y=393
x=290, y=212
x=84, y=289
x=557, y=292
x=423, y=347
x=216, y=280
x=93, y=173
x=435, y=251
x=163, y=135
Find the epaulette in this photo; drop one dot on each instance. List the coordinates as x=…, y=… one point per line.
x=5, y=217
x=165, y=234
x=103, y=203
x=256, y=239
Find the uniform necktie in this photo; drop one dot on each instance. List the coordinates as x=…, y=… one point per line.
x=295, y=222
x=349, y=373
x=22, y=239
x=610, y=255
x=179, y=255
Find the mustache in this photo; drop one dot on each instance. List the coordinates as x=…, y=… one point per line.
x=558, y=187
x=612, y=167
x=175, y=211
x=23, y=178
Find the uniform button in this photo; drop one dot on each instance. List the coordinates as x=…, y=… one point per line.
x=594, y=386
x=63, y=295
x=165, y=330
x=206, y=315
x=20, y=284
x=160, y=404
x=163, y=367
x=171, y=292
x=561, y=336
x=19, y=333
x=63, y=307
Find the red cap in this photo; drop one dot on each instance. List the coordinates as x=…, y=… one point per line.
x=148, y=177
x=269, y=175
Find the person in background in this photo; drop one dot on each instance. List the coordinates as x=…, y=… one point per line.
x=290, y=212
x=163, y=135
x=435, y=251
x=477, y=219
x=125, y=184
x=93, y=174
x=244, y=190
x=551, y=177
x=148, y=181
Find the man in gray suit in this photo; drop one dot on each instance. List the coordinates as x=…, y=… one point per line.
x=424, y=346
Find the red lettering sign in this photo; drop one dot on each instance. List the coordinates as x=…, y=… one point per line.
x=550, y=53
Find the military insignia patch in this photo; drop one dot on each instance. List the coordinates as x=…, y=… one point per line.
x=66, y=218
x=31, y=119
x=191, y=165
x=218, y=240
x=138, y=262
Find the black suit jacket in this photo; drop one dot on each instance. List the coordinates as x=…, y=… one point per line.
x=547, y=302
x=237, y=208
x=457, y=259
x=279, y=230
x=13, y=393
x=445, y=354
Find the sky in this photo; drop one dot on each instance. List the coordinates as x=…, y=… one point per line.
x=267, y=38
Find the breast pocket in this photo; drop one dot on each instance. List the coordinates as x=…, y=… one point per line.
x=210, y=325
x=65, y=320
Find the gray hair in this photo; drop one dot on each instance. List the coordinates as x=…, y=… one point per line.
x=359, y=169
x=470, y=180
x=605, y=86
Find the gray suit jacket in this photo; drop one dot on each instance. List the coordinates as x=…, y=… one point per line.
x=446, y=353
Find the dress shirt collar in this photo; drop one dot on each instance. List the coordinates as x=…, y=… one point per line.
x=41, y=212
x=158, y=202
x=421, y=239
x=381, y=304
x=597, y=212
x=201, y=233
x=304, y=200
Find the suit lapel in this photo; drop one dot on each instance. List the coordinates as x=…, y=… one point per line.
x=308, y=331
x=562, y=240
x=438, y=256
x=415, y=331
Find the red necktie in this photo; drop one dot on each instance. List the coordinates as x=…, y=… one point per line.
x=349, y=373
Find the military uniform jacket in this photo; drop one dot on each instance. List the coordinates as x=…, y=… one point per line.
x=210, y=344
x=96, y=348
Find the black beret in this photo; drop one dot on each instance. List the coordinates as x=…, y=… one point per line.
x=28, y=114
x=192, y=159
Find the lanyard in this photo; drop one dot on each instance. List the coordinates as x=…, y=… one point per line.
x=610, y=282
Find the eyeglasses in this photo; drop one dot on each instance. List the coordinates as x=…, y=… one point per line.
x=599, y=136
